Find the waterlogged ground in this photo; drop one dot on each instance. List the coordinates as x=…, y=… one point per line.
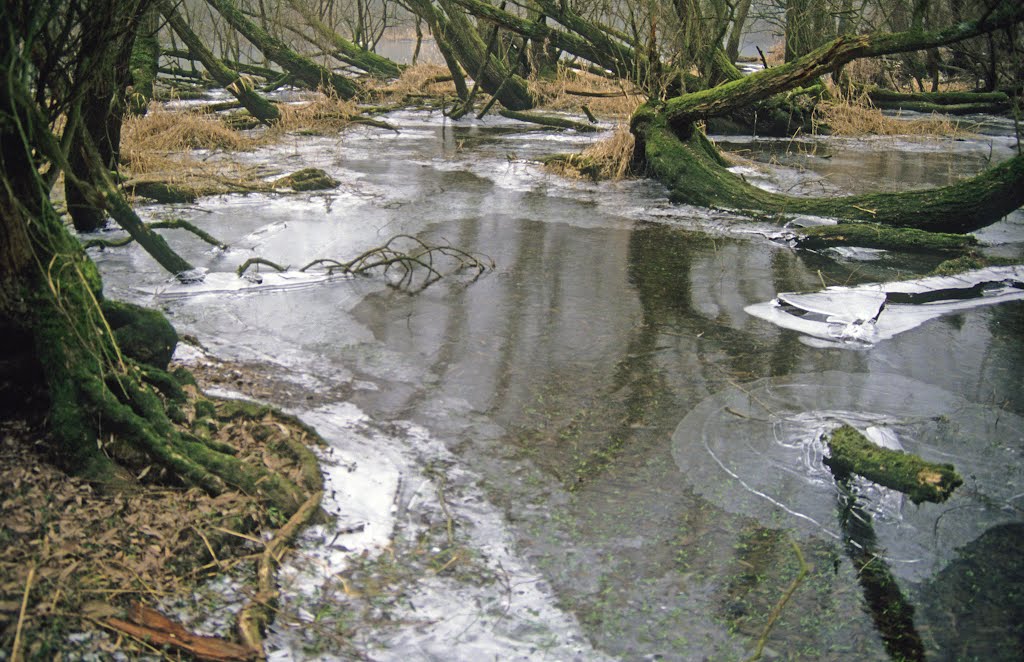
x=594, y=451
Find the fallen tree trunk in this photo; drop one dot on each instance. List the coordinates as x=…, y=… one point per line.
x=724, y=99
x=873, y=235
x=259, y=107
x=302, y=68
x=949, y=103
x=853, y=453
x=696, y=174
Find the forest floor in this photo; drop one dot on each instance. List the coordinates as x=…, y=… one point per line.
x=75, y=559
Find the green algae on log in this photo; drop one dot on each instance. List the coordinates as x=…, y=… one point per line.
x=852, y=452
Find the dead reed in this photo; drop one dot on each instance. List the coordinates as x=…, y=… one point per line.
x=572, y=89
x=854, y=115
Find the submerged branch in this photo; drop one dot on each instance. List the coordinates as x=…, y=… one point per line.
x=169, y=224
x=421, y=256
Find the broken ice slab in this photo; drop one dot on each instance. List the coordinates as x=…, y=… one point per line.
x=866, y=314
x=231, y=283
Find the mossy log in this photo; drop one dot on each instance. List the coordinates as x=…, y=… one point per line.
x=850, y=452
x=302, y=68
x=548, y=120
x=234, y=65
x=307, y=179
x=873, y=235
x=947, y=103
x=258, y=107
x=695, y=173
x=947, y=109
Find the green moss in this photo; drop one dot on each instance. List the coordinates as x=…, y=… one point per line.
x=307, y=179
x=969, y=262
x=143, y=334
x=681, y=157
x=873, y=235
x=852, y=453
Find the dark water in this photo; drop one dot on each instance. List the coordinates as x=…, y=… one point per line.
x=560, y=379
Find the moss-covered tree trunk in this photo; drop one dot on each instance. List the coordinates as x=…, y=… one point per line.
x=345, y=50
x=302, y=68
x=50, y=292
x=696, y=174
x=675, y=151
x=255, y=103
x=102, y=109
x=145, y=61
x=495, y=76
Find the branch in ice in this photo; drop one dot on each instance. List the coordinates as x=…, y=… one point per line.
x=419, y=258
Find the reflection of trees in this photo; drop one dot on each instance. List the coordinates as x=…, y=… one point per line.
x=672, y=335
x=889, y=608
x=975, y=605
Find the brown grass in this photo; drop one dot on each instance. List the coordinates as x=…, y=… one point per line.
x=420, y=80
x=556, y=94
x=608, y=159
x=322, y=113
x=850, y=115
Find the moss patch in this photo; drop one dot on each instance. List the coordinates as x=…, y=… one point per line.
x=853, y=453
x=143, y=334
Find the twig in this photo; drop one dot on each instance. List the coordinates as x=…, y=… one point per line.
x=780, y=605
x=16, y=652
x=257, y=613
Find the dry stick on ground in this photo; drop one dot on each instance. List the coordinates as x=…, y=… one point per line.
x=16, y=652
x=257, y=614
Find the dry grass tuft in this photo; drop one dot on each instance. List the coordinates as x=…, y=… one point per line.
x=322, y=113
x=849, y=115
x=558, y=94
x=608, y=159
x=422, y=80
x=170, y=131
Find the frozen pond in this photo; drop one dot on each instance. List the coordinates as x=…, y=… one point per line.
x=595, y=451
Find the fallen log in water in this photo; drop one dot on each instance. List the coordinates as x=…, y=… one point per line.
x=853, y=453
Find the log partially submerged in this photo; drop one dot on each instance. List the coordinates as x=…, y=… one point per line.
x=696, y=174
x=853, y=453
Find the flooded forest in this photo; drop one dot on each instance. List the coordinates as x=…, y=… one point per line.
x=511, y=330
